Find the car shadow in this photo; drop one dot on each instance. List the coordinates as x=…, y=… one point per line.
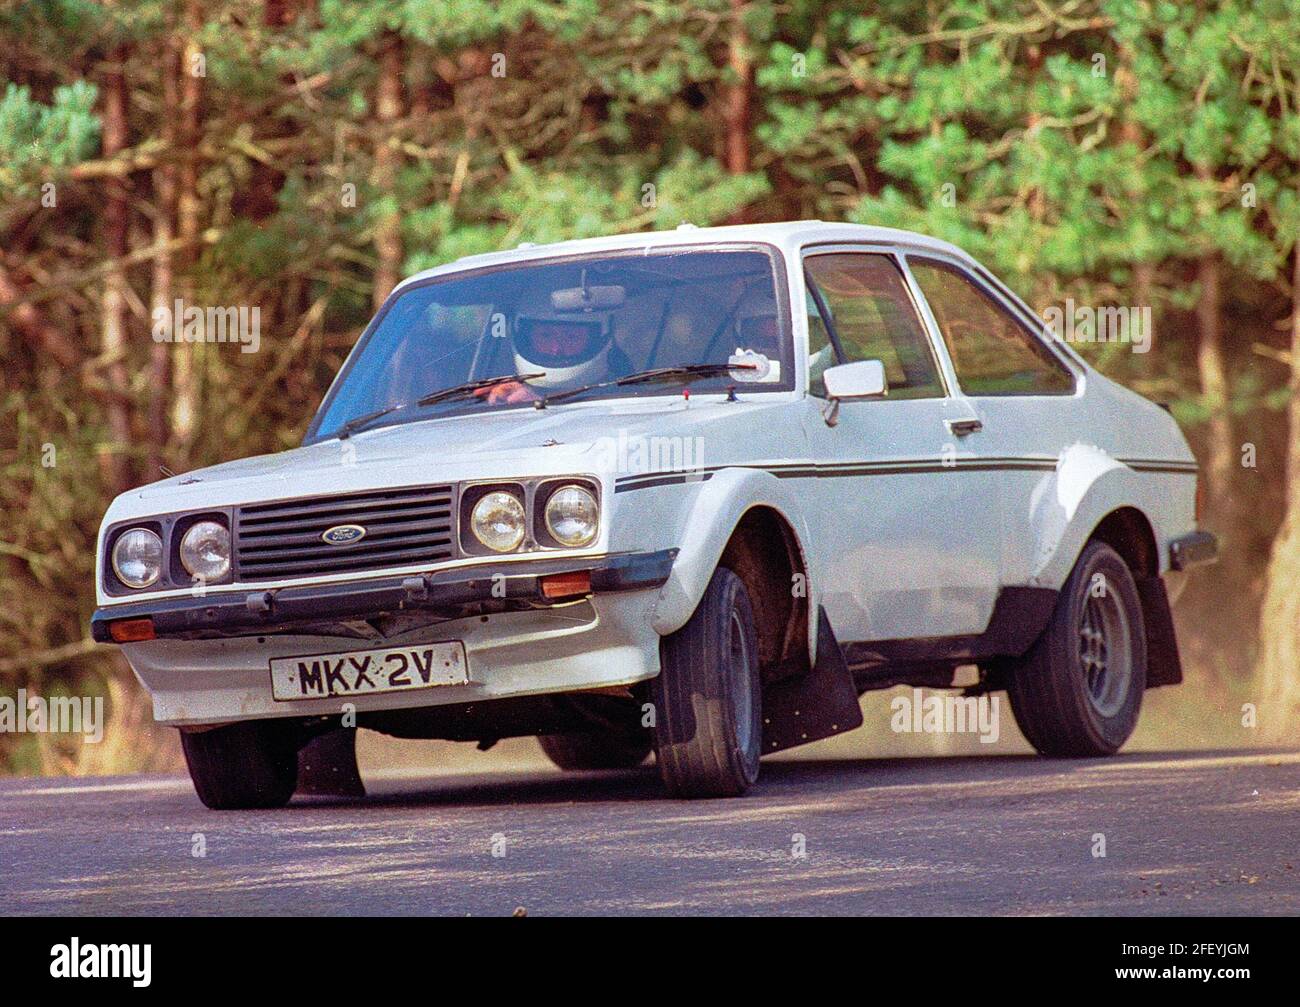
x=783, y=778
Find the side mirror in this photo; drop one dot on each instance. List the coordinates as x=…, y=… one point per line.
x=862, y=379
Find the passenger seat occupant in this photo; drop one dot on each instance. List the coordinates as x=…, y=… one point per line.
x=758, y=331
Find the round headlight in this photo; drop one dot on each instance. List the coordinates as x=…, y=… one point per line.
x=572, y=516
x=498, y=521
x=137, y=557
x=205, y=550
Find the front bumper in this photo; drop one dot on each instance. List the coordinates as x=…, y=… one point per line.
x=211, y=662
x=299, y=608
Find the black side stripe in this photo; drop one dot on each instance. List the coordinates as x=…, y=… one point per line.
x=664, y=479
x=805, y=470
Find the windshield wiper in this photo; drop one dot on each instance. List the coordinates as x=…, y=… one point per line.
x=357, y=422
x=455, y=391
x=683, y=373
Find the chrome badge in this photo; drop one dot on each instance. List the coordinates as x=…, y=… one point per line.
x=343, y=534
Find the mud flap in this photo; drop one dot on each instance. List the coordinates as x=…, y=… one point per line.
x=813, y=706
x=327, y=765
x=1163, y=664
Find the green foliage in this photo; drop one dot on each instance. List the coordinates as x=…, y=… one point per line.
x=37, y=140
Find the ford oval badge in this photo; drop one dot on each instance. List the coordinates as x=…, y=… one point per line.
x=343, y=534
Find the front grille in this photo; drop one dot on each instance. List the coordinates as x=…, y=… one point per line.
x=403, y=528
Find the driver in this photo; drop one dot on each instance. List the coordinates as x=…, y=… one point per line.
x=568, y=351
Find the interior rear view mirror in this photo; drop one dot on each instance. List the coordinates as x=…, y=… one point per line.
x=591, y=298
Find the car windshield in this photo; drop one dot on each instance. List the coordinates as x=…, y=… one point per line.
x=552, y=327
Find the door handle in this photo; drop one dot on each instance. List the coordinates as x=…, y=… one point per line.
x=960, y=428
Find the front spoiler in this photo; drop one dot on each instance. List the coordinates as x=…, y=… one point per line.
x=281, y=609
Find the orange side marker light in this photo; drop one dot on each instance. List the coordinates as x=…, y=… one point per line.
x=131, y=630
x=566, y=585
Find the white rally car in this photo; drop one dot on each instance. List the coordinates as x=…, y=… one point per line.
x=690, y=492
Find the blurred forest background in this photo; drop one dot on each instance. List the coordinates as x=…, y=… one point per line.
x=302, y=155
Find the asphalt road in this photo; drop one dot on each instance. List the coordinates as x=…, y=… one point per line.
x=1185, y=833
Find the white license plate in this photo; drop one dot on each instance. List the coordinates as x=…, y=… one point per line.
x=364, y=672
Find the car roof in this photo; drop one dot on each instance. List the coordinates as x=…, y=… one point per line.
x=787, y=235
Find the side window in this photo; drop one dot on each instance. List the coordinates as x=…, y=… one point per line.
x=874, y=318
x=992, y=353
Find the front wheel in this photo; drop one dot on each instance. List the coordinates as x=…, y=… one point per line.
x=707, y=697
x=253, y=764
x=1079, y=689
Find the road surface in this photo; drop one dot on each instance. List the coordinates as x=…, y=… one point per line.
x=1184, y=833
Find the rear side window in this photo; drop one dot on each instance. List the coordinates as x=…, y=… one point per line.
x=992, y=353
x=874, y=318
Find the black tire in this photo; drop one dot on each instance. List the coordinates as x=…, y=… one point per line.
x=1077, y=693
x=596, y=750
x=253, y=764
x=707, y=697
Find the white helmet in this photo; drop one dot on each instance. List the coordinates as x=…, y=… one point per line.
x=569, y=350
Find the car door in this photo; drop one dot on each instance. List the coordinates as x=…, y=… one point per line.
x=908, y=540
x=1026, y=394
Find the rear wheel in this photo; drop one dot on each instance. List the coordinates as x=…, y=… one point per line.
x=1079, y=690
x=595, y=750
x=707, y=697
x=253, y=764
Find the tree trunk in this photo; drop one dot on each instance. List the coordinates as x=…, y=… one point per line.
x=1126, y=80
x=421, y=90
x=1144, y=290
x=185, y=393
x=113, y=307
x=1213, y=372
x=1278, y=671
x=1293, y=409
x=737, y=102
x=162, y=291
x=1036, y=201
x=388, y=111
